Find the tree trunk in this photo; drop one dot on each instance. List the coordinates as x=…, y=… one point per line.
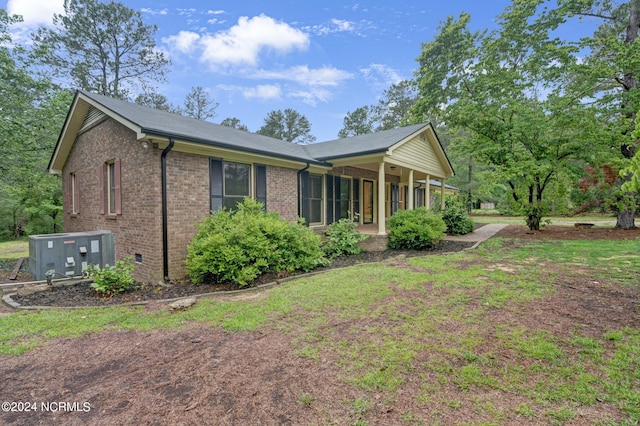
x=626, y=219
x=533, y=221
x=469, y=197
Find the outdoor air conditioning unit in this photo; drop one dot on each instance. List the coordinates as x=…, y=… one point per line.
x=69, y=255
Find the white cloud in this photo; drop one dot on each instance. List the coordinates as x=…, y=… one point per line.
x=215, y=12
x=326, y=76
x=183, y=42
x=243, y=43
x=186, y=12
x=263, y=91
x=381, y=76
x=334, y=26
x=35, y=12
x=312, y=96
x=154, y=11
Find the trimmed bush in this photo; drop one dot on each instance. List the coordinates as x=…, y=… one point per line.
x=456, y=219
x=112, y=280
x=415, y=229
x=341, y=238
x=241, y=245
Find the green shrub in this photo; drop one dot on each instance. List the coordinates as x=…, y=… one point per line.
x=456, y=219
x=112, y=280
x=341, y=238
x=415, y=229
x=240, y=245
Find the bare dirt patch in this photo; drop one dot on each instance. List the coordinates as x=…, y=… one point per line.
x=204, y=375
x=569, y=233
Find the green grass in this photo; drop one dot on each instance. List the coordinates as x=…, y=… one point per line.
x=494, y=217
x=445, y=329
x=14, y=249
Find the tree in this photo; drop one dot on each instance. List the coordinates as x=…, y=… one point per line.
x=199, y=104
x=507, y=88
x=31, y=115
x=394, y=107
x=235, y=123
x=100, y=47
x=154, y=100
x=608, y=78
x=290, y=126
x=357, y=122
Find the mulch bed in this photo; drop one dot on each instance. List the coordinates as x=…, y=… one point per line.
x=82, y=294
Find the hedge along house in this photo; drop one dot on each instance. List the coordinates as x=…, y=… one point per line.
x=150, y=176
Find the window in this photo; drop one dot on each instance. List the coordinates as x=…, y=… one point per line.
x=74, y=193
x=111, y=187
x=315, y=198
x=236, y=184
x=231, y=183
x=110, y=194
x=345, y=198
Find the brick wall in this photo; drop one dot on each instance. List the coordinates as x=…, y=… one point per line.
x=188, y=202
x=138, y=228
x=282, y=191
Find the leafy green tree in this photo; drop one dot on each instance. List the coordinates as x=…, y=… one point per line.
x=235, y=123
x=101, y=47
x=357, y=122
x=508, y=89
x=199, y=104
x=31, y=115
x=154, y=100
x=394, y=107
x=288, y=125
x=608, y=78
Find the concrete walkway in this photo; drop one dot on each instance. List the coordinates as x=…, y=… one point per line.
x=481, y=234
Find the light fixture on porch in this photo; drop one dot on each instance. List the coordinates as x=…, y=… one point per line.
x=145, y=144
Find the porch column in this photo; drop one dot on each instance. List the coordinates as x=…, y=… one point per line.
x=427, y=193
x=442, y=194
x=410, y=205
x=381, y=210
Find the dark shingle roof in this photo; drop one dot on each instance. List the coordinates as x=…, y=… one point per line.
x=362, y=144
x=164, y=123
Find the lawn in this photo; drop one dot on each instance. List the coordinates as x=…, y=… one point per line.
x=539, y=331
x=14, y=249
x=492, y=216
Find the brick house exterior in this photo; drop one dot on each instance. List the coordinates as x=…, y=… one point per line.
x=150, y=177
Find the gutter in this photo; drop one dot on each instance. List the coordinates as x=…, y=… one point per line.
x=165, y=224
x=218, y=144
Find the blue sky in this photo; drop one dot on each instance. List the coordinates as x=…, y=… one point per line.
x=322, y=59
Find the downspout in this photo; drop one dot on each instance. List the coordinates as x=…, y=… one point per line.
x=165, y=220
x=300, y=189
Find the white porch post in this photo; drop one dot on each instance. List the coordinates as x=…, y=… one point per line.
x=427, y=193
x=381, y=199
x=410, y=204
x=442, y=194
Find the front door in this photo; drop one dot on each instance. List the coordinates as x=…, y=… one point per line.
x=367, y=200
